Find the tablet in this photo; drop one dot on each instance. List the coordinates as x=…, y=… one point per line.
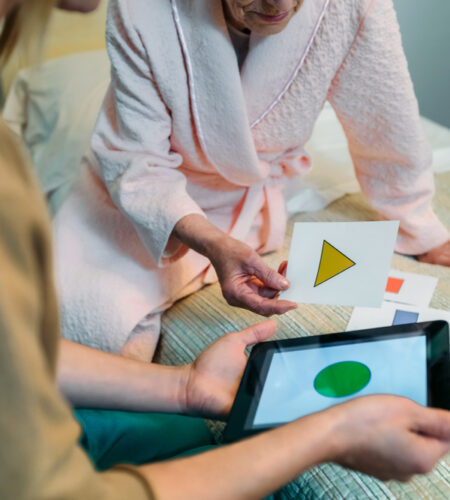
x=288, y=379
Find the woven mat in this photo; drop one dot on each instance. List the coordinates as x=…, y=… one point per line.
x=196, y=321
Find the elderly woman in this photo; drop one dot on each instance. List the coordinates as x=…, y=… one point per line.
x=209, y=107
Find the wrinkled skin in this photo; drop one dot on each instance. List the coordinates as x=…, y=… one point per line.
x=264, y=17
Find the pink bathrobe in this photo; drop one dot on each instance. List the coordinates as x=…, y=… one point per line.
x=182, y=131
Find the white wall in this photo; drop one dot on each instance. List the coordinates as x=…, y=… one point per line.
x=425, y=26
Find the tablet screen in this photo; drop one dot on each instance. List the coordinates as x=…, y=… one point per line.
x=303, y=381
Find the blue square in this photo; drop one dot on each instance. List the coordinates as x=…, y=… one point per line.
x=405, y=317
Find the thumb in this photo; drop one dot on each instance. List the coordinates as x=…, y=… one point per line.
x=269, y=276
x=257, y=333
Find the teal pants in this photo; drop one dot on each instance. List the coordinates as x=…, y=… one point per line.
x=111, y=437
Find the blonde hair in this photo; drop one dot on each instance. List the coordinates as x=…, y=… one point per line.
x=22, y=37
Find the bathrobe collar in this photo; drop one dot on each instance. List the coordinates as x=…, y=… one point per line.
x=226, y=104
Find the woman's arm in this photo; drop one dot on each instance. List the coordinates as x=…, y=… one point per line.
x=131, y=141
x=206, y=387
x=246, y=280
x=96, y=379
x=374, y=99
x=251, y=469
x=386, y=436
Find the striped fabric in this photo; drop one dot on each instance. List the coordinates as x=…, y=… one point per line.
x=195, y=322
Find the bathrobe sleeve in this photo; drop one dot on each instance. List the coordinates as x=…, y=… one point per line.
x=373, y=96
x=131, y=142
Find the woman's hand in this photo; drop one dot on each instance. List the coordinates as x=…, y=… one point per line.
x=439, y=255
x=386, y=436
x=212, y=380
x=390, y=437
x=246, y=280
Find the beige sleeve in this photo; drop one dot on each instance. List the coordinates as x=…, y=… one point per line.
x=39, y=454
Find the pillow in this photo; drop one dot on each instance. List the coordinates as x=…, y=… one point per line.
x=54, y=107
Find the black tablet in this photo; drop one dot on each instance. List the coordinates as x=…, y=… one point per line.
x=288, y=379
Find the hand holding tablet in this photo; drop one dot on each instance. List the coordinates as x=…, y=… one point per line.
x=288, y=379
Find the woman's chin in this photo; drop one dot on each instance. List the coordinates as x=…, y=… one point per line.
x=265, y=28
x=268, y=29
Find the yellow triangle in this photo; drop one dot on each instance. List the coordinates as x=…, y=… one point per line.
x=332, y=263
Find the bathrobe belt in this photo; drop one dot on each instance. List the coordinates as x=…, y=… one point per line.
x=295, y=162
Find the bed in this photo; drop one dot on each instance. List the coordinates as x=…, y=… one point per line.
x=53, y=108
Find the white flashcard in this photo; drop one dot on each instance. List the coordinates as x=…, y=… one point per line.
x=340, y=263
x=408, y=288
x=390, y=314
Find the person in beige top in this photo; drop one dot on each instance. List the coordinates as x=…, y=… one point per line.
x=40, y=457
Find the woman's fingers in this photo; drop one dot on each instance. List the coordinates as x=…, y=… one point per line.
x=427, y=452
x=390, y=437
x=434, y=423
x=248, y=282
x=270, y=293
x=258, y=287
x=263, y=290
x=270, y=277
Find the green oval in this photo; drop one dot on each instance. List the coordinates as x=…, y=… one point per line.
x=342, y=379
